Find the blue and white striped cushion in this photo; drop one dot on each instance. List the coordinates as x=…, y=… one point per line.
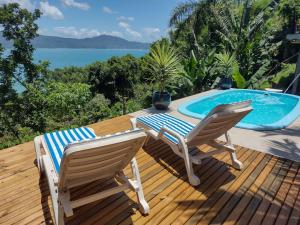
x=157, y=121
x=58, y=140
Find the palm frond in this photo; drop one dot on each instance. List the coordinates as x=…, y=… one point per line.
x=182, y=11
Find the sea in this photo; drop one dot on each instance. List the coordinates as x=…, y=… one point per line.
x=63, y=57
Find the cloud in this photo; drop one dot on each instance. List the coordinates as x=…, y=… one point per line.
x=108, y=10
x=74, y=32
x=43, y=31
x=151, y=30
x=75, y=4
x=124, y=18
x=152, y=33
x=129, y=30
x=134, y=33
x=51, y=11
x=27, y=4
x=124, y=25
x=114, y=33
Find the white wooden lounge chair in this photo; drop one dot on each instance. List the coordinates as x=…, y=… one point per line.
x=182, y=136
x=75, y=157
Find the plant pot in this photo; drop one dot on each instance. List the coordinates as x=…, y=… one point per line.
x=160, y=100
x=225, y=82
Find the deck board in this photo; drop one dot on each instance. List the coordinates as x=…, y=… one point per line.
x=266, y=191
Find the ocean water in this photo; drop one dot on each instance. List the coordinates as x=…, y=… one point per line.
x=62, y=57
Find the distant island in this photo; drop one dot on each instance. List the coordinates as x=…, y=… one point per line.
x=102, y=41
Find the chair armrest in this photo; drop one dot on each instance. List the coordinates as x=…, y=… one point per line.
x=165, y=129
x=51, y=174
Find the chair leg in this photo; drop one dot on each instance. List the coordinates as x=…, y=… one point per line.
x=133, y=123
x=58, y=209
x=37, y=145
x=143, y=205
x=147, y=141
x=235, y=162
x=59, y=217
x=193, y=179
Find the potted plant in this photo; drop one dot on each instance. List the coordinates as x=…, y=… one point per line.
x=227, y=65
x=164, y=65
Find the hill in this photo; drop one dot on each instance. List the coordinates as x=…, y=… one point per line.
x=102, y=41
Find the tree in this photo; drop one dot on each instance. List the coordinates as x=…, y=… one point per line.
x=95, y=110
x=20, y=28
x=191, y=18
x=126, y=73
x=247, y=35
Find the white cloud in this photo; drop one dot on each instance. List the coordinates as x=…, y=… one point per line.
x=124, y=18
x=124, y=25
x=108, y=10
x=114, y=33
x=74, y=32
x=152, y=33
x=27, y=4
x=43, y=31
x=134, y=33
x=75, y=4
x=51, y=11
x=129, y=30
x=151, y=30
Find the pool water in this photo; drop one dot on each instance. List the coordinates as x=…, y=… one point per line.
x=270, y=110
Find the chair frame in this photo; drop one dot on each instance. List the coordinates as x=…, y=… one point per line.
x=60, y=192
x=185, y=144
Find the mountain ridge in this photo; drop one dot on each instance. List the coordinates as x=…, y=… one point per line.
x=101, y=42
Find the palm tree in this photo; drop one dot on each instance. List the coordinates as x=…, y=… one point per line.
x=193, y=15
x=247, y=34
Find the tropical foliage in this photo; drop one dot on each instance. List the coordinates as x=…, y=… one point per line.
x=252, y=31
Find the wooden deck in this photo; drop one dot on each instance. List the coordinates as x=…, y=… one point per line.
x=266, y=191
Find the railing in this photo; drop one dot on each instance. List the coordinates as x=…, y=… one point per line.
x=296, y=77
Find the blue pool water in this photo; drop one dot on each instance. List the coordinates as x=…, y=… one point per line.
x=270, y=110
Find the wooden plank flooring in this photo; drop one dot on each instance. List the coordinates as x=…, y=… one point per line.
x=266, y=191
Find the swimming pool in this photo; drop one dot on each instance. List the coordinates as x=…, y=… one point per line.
x=270, y=110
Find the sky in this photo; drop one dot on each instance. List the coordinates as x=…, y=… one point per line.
x=135, y=20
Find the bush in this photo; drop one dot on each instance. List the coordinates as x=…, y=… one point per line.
x=95, y=110
x=66, y=100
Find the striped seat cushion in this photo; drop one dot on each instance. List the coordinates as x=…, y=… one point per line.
x=58, y=140
x=157, y=121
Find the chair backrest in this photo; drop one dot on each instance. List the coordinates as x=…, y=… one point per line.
x=218, y=121
x=102, y=157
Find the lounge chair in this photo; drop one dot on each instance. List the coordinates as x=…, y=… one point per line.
x=182, y=136
x=75, y=157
